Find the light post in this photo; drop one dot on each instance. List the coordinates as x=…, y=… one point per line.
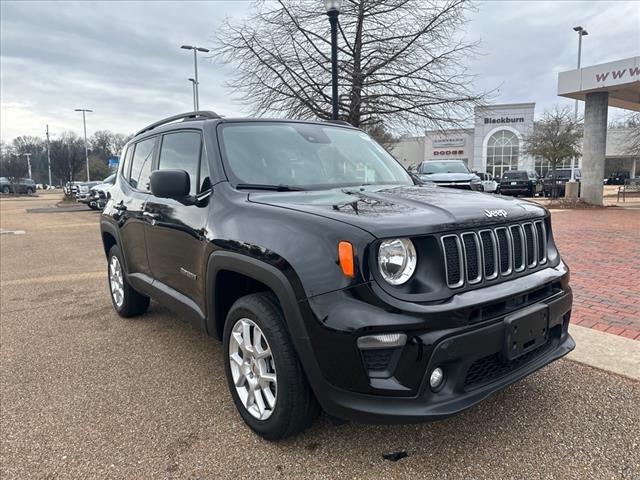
x=196, y=97
x=193, y=89
x=581, y=33
x=28, y=155
x=333, y=10
x=49, y=155
x=86, y=148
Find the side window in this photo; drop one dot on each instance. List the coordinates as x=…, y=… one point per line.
x=141, y=164
x=181, y=150
x=126, y=162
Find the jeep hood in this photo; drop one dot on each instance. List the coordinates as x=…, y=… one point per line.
x=387, y=211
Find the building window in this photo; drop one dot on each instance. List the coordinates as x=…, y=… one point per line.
x=503, y=150
x=544, y=166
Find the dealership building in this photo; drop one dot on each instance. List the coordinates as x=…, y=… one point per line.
x=495, y=143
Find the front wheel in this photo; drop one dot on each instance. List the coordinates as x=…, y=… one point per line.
x=126, y=301
x=6, y=190
x=266, y=380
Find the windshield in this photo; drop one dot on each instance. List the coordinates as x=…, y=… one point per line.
x=443, y=167
x=515, y=175
x=306, y=156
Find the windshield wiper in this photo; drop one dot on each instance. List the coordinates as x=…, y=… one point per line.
x=275, y=188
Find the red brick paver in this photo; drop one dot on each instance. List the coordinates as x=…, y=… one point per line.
x=602, y=248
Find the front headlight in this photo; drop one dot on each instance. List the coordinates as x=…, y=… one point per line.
x=397, y=260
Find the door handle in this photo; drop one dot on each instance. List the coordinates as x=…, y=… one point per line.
x=152, y=216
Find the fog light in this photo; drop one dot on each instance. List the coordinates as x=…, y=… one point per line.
x=385, y=340
x=436, y=379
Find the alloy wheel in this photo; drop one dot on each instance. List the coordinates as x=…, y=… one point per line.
x=116, y=281
x=253, y=369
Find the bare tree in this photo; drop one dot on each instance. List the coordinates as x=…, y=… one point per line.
x=632, y=146
x=555, y=138
x=400, y=61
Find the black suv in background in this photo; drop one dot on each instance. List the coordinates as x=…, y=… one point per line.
x=333, y=279
x=21, y=185
x=563, y=175
x=520, y=182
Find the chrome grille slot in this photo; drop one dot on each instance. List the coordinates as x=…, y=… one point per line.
x=530, y=242
x=489, y=254
x=518, y=247
x=504, y=250
x=473, y=256
x=541, y=234
x=453, y=260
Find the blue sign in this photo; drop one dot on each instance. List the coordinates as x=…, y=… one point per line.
x=113, y=162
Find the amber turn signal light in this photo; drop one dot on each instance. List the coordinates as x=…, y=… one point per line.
x=345, y=254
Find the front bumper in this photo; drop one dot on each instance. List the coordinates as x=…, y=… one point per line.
x=441, y=335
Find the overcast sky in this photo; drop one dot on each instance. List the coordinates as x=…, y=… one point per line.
x=122, y=59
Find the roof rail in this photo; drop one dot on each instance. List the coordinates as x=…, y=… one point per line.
x=200, y=115
x=339, y=122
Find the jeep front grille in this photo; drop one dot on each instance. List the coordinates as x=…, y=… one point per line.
x=470, y=257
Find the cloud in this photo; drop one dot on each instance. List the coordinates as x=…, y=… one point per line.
x=122, y=59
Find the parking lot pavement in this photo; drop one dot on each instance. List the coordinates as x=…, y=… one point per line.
x=86, y=394
x=602, y=248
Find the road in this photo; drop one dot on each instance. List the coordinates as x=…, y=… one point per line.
x=86, y=394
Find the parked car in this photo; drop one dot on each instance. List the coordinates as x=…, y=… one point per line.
x=449, y=173
x=98, y=195
x=563, y=175
x=333, y=279
x=489, y=184
x=520, y=182
x=71, y=189
x=618, y=178
x=83, y=194
x=21, y=185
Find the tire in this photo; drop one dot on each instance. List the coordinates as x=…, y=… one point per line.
x=294, y=405
x=30, y=191
x=127, y=302
x=6, y=190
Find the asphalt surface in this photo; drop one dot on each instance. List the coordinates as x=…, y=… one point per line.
x=86, y=394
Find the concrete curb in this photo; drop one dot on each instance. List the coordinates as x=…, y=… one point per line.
x=606, y=351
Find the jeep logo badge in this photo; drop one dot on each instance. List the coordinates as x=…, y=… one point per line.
x=495, y=213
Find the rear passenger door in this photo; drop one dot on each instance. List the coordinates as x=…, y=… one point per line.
x=176, y=241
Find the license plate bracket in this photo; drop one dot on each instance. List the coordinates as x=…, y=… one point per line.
x=525, y=330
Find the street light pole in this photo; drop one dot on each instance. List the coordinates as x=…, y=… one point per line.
x=49, y=155
x=193, y=89
x=581, y=33
x=333, y=10
x=86, y=147
x=196, y=98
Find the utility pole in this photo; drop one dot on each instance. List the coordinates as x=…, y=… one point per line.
x=49, y=155
x=333, y=10
x=28, y=155
x=196, y=97
x=86, y=147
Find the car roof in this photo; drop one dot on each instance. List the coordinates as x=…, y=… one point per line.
x=199, y=124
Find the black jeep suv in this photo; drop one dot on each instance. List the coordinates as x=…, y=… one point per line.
x=334, y=280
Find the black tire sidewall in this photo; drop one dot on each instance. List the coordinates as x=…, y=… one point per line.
x=271, y=322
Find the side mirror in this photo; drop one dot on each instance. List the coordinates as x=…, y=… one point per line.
x=173, y=184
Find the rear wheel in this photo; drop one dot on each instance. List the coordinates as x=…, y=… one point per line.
x=6, y=189
x=126, y=301
x=30, y=191
x=265, y=377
